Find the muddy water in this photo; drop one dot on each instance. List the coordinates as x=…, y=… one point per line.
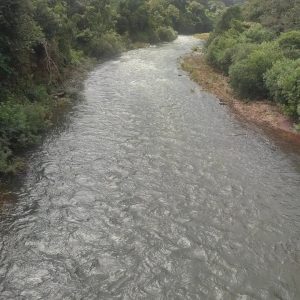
x=152, y=190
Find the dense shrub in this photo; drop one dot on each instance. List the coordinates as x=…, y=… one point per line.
x=225, y=22
x=283, y=82
x=290, y=44
x=21, y=123
x=219, y=53
x=247, y=75
x=36, y=93
x=77, y=57
x=256, y=33
x=5, y=154
x=241, y=51
x=109, y=43
x=277, y=15
x=261, y=59
x=166, y=34
x=5, y=69
x=235, y=44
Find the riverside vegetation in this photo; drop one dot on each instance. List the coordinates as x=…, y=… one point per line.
x=41, y=41
x=257, y=46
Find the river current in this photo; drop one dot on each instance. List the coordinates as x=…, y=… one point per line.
x=152, y=190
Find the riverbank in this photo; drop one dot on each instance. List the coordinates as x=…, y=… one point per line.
x=262, y=113
x=61, y=100
x=53, y=100
x=25, y=123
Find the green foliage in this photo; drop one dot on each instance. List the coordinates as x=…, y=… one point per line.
x=277, y=15
x=283, y=82
x=19, y=33
x=220, y=51
x=149, y=16
x=256, y=33
x=21, y=123
x=110, y=43
x=194, y=18
x=290, y=44
x=225, y=22
x=41, y=39
x=5, y=154
x=233, y=44
x=166, y=34
x=9, y=163
x=242, y=50
x=77, y=57
x=261, y=61
x=247, y=75
x=216, y=9
x=5, y=69
x=231, y=18
x=36, y=93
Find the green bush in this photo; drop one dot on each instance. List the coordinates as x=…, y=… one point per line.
x=242, y=50
x=235, y=44
x=77, y=57
x=5, y=68
x=22, y=123
x=5, y=155
x=225, y=22
x=290, y=44
x=148, y=36
x=283, y=82
x=8, y=162
x=219, y=52
x=257, y=34
x=36, y=93
x=166, y=34
x=110, y=43
x=230, y=19
x=247, y=75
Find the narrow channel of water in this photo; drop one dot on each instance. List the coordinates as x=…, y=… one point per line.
x=153, y=191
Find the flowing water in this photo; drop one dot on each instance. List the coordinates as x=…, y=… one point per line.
x=152, y=190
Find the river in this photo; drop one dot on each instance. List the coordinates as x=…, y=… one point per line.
x=152, y=190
